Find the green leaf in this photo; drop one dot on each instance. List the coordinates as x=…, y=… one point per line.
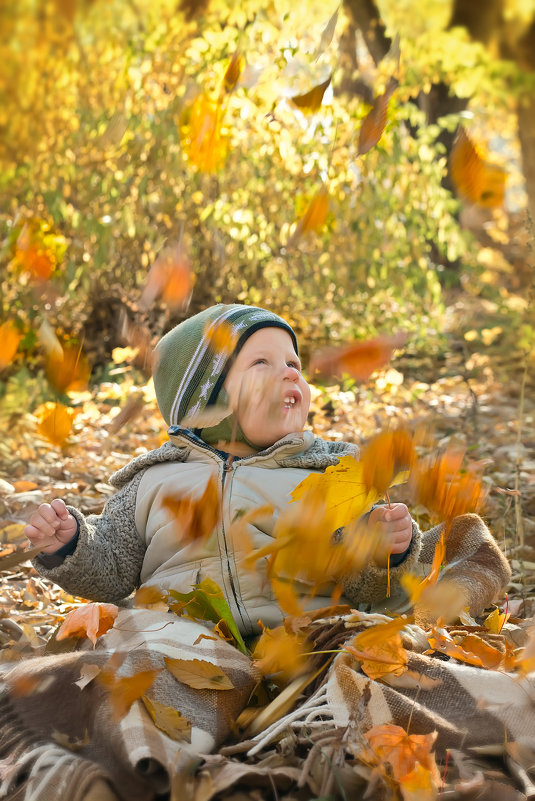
x=207, y=602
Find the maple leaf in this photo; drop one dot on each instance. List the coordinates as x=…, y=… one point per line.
x=374, y=122
x=91, y=620
x=476, y=179
x=55, y=422
x=10, y=338
x=170, y=278
x=360, y=359
x=379, y=649
x=470, y=649
x=68, y=371
x=199, y=674
x=311, y=100
x=168, y=720
x=124, y=690
x=314, y=216
x=403, y=751
x=202, y=139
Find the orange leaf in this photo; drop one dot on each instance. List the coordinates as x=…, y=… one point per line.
x=439, y=484
x=416, y=587
x=470, y=649
x=203, y=142
x=360, y=359
x=169, y=277
x=124, y=690
x=10, y=338
x=287, y=597
x=374, y=122
x=403, y=751
x=233, y=72
x=148, y=596
x=526, y=658
x=314, y=216
x=91, y=620
x=384, y=457
x=277, y=651
x=55, y=422
x=419, y=785
x=221, y=337
x=32, y=254
x=476, y=179
x=68, y=371
x=195, y=518
x=379, y=649
x=312, y=100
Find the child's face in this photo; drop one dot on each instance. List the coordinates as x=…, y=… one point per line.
x=267, y=391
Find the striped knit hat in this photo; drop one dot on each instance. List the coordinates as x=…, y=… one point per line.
x=193, y=359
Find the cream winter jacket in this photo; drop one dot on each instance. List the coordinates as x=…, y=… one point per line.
x=135, y=542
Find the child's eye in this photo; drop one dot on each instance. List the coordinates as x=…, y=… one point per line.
x=294, y=364
x=260, y=361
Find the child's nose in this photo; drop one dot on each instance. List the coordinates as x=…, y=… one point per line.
x=291, y=373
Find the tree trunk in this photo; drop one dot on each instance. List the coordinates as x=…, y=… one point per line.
x=367, y=18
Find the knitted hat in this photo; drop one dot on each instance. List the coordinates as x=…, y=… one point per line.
x=193, y=359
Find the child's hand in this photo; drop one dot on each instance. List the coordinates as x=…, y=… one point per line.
x=51, y=526
x=392, y=526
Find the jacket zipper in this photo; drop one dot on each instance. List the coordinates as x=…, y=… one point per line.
x=227, y=468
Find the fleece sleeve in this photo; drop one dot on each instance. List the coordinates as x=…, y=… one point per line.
x=107, y=560
x=370, y=585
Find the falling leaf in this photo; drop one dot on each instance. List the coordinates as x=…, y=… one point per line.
x=314, y=216
x=403, y=751
x=195, y=518
x=526, y=658
x=130, y=411
x=91, y=620
x=447, y=491
x=168, y=720
x=312, y=100
x=33, y=255
x=10, y=338
x=379, y=649
x=327, y=34
x=359, y=359
x=170, y=278
x=287, y=597
x=199, y=674
x=384, y=457
x=124, y=690
x=416, y=587
x=55, y=422
x=476, y=179
x=210, y=416
x=374, y=122
x=496, y=621
x=233, y=72
x=68, y=372
x=22, y=686
x=202, y=138
x=221, y=337
x=137, y=336
x=25, y=486
x=115, y=130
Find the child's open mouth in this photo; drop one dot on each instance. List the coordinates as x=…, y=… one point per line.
x=291, y=400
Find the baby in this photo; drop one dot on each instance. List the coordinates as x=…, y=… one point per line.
x=258, y=453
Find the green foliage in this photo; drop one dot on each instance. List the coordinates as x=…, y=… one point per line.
x=95, y=149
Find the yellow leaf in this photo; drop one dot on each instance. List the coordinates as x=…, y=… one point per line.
x=195, y=518
x=379, y=649
x=343, y=489
x=168, y=720
x=68, y=371
x=198, y=674
x=403, y=751
x=278, y=651
x=55, y=422
x=10, y=338
x=170, y=278
x=415, y=587
x=221, y=337
x=312, y=100
x=91, y=620
x=496, y=620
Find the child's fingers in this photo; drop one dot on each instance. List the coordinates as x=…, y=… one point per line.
x=59, y=507
x=395, y=512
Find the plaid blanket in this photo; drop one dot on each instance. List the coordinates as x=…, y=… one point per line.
x=60, y=740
